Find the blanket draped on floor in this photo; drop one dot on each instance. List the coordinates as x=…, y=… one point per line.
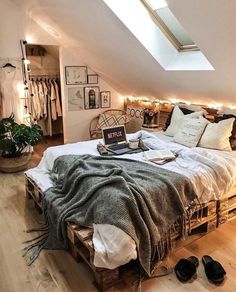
x=139, y=198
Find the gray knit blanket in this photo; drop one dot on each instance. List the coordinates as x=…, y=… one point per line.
x=141, y=199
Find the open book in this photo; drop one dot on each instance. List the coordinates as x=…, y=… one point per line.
x=156, y=155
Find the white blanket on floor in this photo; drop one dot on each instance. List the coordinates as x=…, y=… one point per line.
x=113, y=247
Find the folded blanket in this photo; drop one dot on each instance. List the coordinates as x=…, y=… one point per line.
x=141, y=199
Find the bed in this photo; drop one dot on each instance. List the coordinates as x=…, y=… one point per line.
x=211, y=172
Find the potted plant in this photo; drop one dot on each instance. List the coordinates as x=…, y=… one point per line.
x=15, y=142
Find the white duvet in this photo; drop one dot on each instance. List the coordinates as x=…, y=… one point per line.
x=113, y=247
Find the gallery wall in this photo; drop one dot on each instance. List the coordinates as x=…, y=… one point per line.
x=76, y=123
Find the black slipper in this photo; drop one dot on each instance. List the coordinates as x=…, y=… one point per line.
x=213, y=269
x=185, y=269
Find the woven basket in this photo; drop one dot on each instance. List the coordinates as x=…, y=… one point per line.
x=11, y=165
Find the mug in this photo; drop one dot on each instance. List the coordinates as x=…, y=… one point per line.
x=134, y=143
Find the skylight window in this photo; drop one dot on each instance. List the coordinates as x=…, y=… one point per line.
x=170, y=25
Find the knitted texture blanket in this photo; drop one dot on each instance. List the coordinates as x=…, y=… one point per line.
x=141, y=199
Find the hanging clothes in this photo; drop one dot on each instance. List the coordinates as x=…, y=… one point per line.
x=58, y=103
x=35, y=101
x=45, y=103
x=53, y=98
x=10, y=78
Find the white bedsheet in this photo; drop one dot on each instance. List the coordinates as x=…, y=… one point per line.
x=113, y=247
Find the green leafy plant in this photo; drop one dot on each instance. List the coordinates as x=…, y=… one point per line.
x=14, y=138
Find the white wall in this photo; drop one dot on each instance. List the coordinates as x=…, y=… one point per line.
x=76, y=123
x=15, y=25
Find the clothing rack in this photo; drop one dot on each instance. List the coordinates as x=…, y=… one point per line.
x=44, y=76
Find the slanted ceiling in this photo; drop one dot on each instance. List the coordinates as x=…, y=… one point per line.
x=110, y=49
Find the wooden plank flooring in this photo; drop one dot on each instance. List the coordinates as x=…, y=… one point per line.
x=57, y=271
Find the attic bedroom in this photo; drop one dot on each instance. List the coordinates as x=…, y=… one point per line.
x=117, y=145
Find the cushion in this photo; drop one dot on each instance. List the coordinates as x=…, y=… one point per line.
x=192, y=107
x=176, y=120
x=185, y=111
x=190, y=132
x=216, y=135
x=105, y=121
x=232, y=138
x=227, y=111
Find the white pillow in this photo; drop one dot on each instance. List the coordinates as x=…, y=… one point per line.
x=216, y=135
x=177, y=118
x=226, y=111
x=190, y=132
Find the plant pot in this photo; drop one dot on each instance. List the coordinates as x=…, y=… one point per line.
x=15, y=164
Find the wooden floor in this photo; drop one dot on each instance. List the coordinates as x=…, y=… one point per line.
x=57, y=270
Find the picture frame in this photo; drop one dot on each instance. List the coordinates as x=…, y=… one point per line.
x=105, y=99
x=75, y=98
x=76, y=75
x=91, y=97
x=92, y=79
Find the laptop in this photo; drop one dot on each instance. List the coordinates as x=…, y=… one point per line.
x=115, y=140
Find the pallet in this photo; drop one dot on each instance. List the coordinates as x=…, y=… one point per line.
x=203, y=220
x=81, y=247
x=226, y=210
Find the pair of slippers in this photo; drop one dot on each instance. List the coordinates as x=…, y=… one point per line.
x=186, y=269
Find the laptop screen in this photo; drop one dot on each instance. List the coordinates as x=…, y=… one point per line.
x=114, y=135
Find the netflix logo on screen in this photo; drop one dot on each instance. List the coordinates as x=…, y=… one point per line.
x=114, y=135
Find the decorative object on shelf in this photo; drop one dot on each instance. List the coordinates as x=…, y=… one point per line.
x=14, y=141
x=92, y=79
x=75, y=98
x=76, y=75
x=150, y=118
x=91, y=97
x=105, y=99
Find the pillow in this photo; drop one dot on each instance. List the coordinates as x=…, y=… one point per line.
x=216, y=135
x=190, y=132
x=227, y=111
x=185, y=111
x=232, y=138
x=176, y=120
x=111, y=121
x=192, y=107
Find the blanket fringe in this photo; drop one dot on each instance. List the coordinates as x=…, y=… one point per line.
x=34, y=246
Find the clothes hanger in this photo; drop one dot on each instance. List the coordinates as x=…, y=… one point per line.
x=9, y=65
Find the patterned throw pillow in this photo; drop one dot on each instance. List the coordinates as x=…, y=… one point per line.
x=111, y=121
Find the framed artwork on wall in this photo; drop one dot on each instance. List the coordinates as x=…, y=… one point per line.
x=92, y=79
x=105, y=97
x=76, y=75
x=75, y=98
x=91, y=97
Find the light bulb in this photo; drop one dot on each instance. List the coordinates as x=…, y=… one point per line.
x=26, y=62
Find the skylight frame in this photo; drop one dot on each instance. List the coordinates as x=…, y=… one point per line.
x=171, y=37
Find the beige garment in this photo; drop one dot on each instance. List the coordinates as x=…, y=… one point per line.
x=45, y=91
x=41, y=98
x=36, y=108
x=53, y=98
x=58, y=102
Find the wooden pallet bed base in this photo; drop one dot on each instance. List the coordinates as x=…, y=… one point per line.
x=205, y=219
